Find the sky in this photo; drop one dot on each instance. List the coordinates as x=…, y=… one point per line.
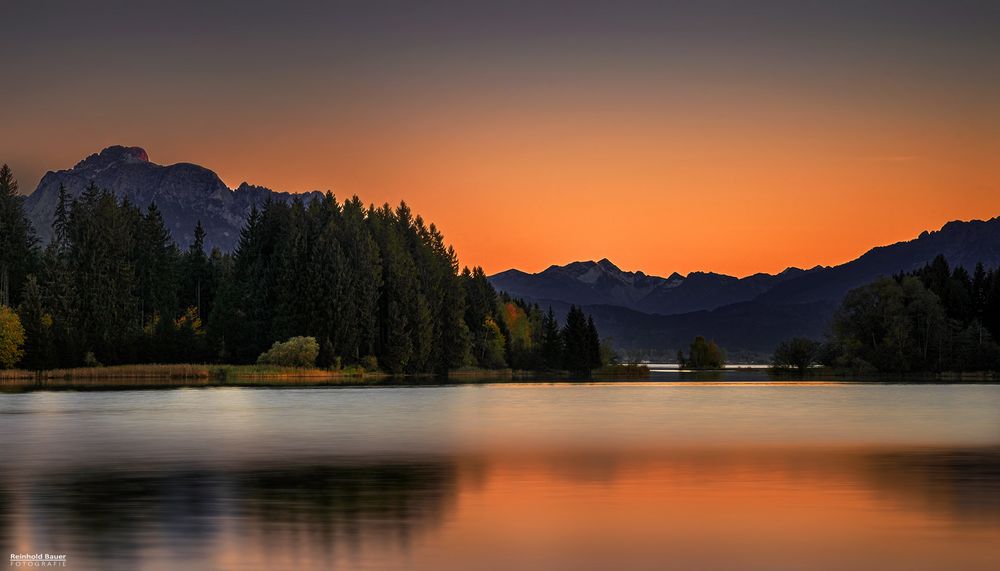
x=733, y=137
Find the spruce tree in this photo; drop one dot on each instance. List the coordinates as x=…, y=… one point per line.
x=576, y=343
x=17, y=240
x=593, y=345
x=38, y=347
x=61, y=221
x=552, y=348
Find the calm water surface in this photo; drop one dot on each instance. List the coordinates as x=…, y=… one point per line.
x=507, y=476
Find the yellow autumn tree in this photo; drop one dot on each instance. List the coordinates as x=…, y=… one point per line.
x=11, y=338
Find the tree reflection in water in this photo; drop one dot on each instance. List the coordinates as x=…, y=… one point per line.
x=353, y=511
x=122, y=516
x=962, y=483
x=345, y=504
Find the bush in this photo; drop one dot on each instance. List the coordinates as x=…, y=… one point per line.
x=89, y=360
x=797, y=353
x=296, y=352
x=11, y=338
x=703, y=354
x=369, y=363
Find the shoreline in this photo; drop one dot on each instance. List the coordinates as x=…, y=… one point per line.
x=193, y=375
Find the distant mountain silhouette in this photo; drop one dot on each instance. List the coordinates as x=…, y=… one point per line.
x=753, y=313
x=185, y=193
x=603, y=283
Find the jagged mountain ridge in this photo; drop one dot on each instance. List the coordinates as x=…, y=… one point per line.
x=184, y=193
x=603, y=283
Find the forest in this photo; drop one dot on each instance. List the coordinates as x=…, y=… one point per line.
x=934, y=319
x=376, y=287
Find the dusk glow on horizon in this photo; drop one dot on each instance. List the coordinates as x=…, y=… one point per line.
x=466, y=285
x=666, y=136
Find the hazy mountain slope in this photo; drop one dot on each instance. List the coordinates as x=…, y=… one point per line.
x=707, y=290
x=746, y=326
x=962, y=243
x=184, y=193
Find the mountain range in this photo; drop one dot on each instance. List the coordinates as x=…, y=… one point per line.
x=603, y=283
x=185, y=194
x=644, y=312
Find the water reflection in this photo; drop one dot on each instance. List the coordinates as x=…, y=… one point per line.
x=962, y=484
x=126, y=516
x=388, y=502
x=4, y=514
x=695, y=478
x=116, y=515
x=418, y=512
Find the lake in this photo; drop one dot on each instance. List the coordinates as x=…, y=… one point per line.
x=615, y=476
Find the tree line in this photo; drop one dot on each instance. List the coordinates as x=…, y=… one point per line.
x=934, y=319
x=375, y=287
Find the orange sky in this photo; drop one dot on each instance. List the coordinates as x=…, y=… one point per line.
x=665, y=139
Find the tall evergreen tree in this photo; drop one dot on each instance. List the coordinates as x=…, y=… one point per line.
x=102, y=263
x=552, y=343
x=60, y=223
x=576, y=345
x=197, y=285
x=17, y=240
x=363, y=276
x=156, y=260
x=593, y=345
x=38, y=347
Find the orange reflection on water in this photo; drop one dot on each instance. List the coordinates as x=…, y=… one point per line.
x=726, y=509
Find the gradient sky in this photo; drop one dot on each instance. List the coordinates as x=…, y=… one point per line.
x=667, y=136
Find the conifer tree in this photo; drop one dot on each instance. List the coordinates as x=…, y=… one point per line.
x=552, y=346
x=17, y=240
x=38, y=347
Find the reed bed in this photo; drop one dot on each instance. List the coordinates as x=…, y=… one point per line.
x=16, y=375
x=181, y=371
x=179, y=375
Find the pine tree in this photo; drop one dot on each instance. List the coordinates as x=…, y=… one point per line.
x=197, y=289
x=37, y=323
x=480, y=307
x=576, y=344
x=17, y=240
x=593, y=345
x=101, y=261
x=156, y=261
x=552, y=348
x=60, y=223
x=363, y=277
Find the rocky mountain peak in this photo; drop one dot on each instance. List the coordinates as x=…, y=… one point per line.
x=185, y=194
x=608, y=265
x=111, y=156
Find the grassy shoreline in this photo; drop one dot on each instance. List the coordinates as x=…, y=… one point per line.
x=180, y=375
